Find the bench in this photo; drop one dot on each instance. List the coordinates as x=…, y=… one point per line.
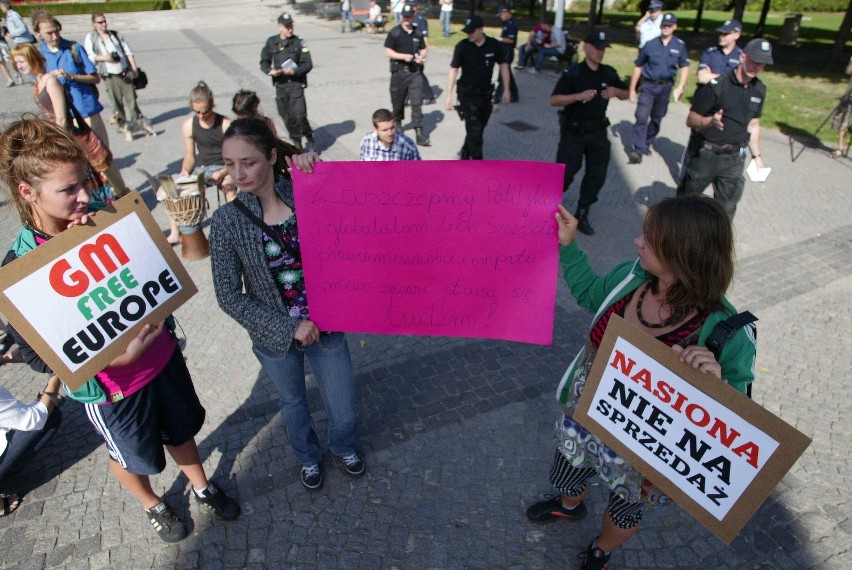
x=568, y=57
x=362, y=19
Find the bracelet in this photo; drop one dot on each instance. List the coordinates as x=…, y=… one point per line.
x=50, y=395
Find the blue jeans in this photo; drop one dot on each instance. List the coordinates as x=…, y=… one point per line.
x=650, y=109
x=332, y=366
x=444, y=18
x=543, y=53
x=344, y=16
x=24, y=445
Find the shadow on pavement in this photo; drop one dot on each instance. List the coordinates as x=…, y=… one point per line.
x=326, y=135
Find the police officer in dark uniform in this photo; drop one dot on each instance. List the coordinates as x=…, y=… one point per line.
x=715, y=61
x=287, y=60
x=407, y=51
x=476, y=57
x=509, y=39
x=721, y=59
x=657, y=64
x=422, y=24
x=726, y=114
x=583, y=91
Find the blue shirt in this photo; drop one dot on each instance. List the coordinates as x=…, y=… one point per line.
x=421, y=23
x=82, y=94
x=510, y=30
x=402, y=148
x=717, y=62
x=660, y=62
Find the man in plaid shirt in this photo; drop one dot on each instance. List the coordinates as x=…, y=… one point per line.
x=385, y=143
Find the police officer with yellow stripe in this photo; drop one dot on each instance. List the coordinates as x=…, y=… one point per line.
x=287, y=60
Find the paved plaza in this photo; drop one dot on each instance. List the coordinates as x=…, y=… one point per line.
x=456, y=433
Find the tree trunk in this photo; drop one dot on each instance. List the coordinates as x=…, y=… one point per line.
x=761, y=25
x=593, y=10
x=698, y=15
x=739, y=9
x=842, y=35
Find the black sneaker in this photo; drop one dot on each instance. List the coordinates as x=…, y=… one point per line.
x=634, y=157
x=166, y=523
x=351, y=464
x=551, y=510
x=312, y=477
x=593, y=558
x=217, y=501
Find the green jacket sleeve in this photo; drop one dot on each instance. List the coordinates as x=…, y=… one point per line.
x=588, y=288
x=738, y=357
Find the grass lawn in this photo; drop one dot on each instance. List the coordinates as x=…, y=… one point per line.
x=801, y=88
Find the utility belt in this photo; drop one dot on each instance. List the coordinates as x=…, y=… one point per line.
x=405, y=67
x=289, y=83
x=581, y=127
x=724, y=148
x=475, y=91
x=658, y=81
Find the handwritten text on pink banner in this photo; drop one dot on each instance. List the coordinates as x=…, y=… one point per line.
x=434, y=248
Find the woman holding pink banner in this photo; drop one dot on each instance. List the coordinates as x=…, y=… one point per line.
x=144, y=401
x=257, y=274
x=674, y=291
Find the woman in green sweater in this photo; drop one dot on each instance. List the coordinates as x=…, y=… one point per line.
x=674, y=291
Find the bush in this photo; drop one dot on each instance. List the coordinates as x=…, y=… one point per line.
x=67, y=8
x=777, y=5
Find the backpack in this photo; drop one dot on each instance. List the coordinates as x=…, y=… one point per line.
x=723, y=331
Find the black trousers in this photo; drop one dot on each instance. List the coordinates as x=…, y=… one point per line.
x=293, y=109
x=594, y=145
x=476, y=107
x=513, y=87
x=407, y=84
x=723, y=171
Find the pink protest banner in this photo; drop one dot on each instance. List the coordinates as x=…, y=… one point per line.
x=432, y=248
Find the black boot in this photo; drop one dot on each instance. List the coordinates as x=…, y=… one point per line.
x=583, y=224
x=422, y=139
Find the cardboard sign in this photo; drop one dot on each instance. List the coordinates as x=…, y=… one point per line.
x=82, y=296
x=435, y=248
x=709, y=447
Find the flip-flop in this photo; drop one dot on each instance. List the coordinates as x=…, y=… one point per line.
x=9, y=504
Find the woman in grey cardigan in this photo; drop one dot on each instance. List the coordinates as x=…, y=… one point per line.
x=257, y=275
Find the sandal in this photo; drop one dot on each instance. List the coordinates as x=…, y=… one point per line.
x=9, y=504
x=836, y=154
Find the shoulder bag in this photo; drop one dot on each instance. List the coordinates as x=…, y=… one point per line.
x=97, y=154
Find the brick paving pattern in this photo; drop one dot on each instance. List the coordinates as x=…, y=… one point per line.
x=455, y=432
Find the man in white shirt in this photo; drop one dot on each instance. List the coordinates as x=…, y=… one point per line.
x=648, y=26
x=117, y=67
